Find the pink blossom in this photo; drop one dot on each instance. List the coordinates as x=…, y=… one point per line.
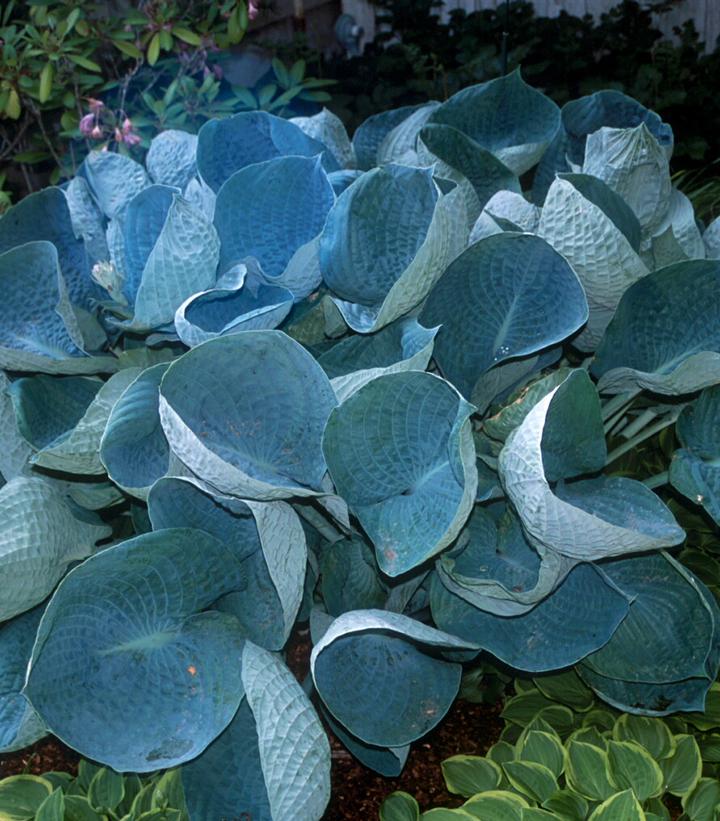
x=96, y=133
x=86, y=124
x=95, y=105
x=253, y=9
x=118, y=135
x=127, y=125
x=131, y=139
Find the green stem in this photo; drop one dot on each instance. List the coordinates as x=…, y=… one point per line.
x=642, y=436
x=319, y=522
x=639, y=423
x=619, y=402
x=656, y=481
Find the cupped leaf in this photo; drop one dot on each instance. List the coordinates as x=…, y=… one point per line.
x=368, y=652
x=267, y=540
x=386, y=242
x=589, y=519
x=403, y=345
x=133, y=448
x=41, y=538
x=369, y=135
x=225, y=146
x=22, y=795
x=14, y=448
x=272, y=763
x=349, y=578
x=257, y=432
x=20, y=725
x=388, y=761
x=665, y=335
x=592, y=227
x=154, y=680
x=171, y=158
x=284, y=203
x=400, y=453
x=507, y=296
x=399, y=145
x=510, y=209
x=328, y=129
x=506, y=116
x=114, y=180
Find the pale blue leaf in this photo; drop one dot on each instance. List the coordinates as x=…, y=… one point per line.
x=370, y=134
x=328, y=129
x=14, y=449
x=114, y=180
x=349, y=577
x=171, y=158
x=388, y=761
x=399, y=145
x=340, y=180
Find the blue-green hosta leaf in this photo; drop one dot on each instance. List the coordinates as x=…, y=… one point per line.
x=370, y=134
x=47, y=408
x=171, y=252
x=403, y=345
x=270, y=211
x=78, y=450
x=711, y=238
x=695, y=469
x=579, y=224
x=272, y=763
x=507, y=296
x=399, y=145
x=268, y=541
x=171, y=158
x=225, y=146
x=665, y=336
x=133, y=448
x=506, y=116
x=509, y=206
x=45, y=215
x=340, y=180
x=678, y=237
x=129, y=667
x=41, y=537
x=20, y=725
x=14, y=448
x=38, y=330
x=401, y=454
x=578, y=617
x=459, y=158
x=496, y=385
x=252, y=306
x=386, y=242
x=589, y=519
x=349, y=577
x=328, y=129
x=114, y=180
x=635, y=166
x=257, y=431
x=388, y=761
x=653, y=665
x=367, y=653
x=88, y=221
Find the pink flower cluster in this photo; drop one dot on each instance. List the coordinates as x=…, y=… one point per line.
x=91, y=125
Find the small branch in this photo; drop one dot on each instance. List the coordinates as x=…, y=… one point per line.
x=619, y=402
x=639, y=423
x=641, y=437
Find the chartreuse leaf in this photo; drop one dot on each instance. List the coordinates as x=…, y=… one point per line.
x=632, y=767
x=284, y=202
x=682, y=770
x=400, y=453
x=588, y=771
x=652, y=733
x=267, y=540
x=133, y=448
x=399, y=806
x=20, y=725
x=52, y=808
x=106, y=790
x=496, y=805
x=257, y=432
x=470, y=774
x=506, y=116
x=651, y=344
x=153, y=656
x=652, y=664
x=21, y=796
x=534, y=780
x=585, y=520
x=623, y=806
x=171, y=158
x=41, y=538
x=387, y=240
x=695, y=469
x=506, y=296
x=701, y=804
x=273, y=761
x=367, y=652
x=225, y=146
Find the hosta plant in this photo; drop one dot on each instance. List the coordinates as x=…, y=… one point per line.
x=562, y=754
x=278, y=375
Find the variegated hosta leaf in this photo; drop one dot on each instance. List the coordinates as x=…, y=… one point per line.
x=20, y=725
x=129, y=666
x=507, y=296
x=400, y=453
x=506, y=116
x=171, y=158
x=225, y=146
x=374, y=673
x=653, y=664
x=592, y=227
x=386, y=242
x=266, y=538
x=272, y=763
x=256, y=432
x=41, y=538
x=403, y=345
x=328, y=128
x=588, y=519
x=665, y=336
x=695, y=469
